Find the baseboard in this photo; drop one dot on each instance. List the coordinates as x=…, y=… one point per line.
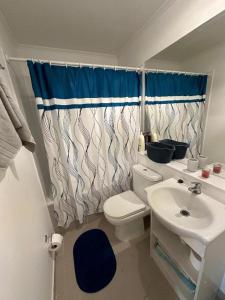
x=220, y=295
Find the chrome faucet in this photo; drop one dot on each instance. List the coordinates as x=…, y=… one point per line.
x=196, y=188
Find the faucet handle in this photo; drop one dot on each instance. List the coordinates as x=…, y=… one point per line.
x=196, y=184
x=195, y=187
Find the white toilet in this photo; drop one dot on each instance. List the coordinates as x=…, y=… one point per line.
x=126, y=210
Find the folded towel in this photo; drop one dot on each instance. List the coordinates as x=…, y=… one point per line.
x=14, y=131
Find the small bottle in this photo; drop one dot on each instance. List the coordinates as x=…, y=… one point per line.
x=141, y=143
x=154, y=137
x=147, y=137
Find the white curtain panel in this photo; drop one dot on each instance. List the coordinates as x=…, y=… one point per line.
x=90, y=153
x=178, y=121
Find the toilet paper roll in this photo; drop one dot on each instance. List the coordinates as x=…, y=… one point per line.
x=56, y=242
x=195, y=260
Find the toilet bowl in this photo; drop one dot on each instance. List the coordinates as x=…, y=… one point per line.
x=126, y=210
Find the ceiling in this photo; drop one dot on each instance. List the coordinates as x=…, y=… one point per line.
x=204, y=37
x=91, y=25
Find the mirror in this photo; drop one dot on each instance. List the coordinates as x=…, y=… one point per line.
x=201, y=51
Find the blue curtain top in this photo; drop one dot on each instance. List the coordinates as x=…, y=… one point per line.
x=50, y=81
x=173, y=84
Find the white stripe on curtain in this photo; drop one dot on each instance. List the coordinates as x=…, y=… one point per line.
x=49, y=102
x=175, y=98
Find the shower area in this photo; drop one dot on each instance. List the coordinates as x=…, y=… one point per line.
x=86, y=120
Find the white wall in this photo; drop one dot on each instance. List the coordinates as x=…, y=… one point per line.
x=171, y=23
x=154, y=63
x=26, y=267
x=7, y=42
x=213, y=61
x=65, y=55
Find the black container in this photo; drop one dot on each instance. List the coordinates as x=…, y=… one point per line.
x=180, y=148
x=159, y=152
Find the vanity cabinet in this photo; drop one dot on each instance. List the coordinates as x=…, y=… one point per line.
x=172, y=255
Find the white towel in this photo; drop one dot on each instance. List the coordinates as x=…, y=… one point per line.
x=14, y=131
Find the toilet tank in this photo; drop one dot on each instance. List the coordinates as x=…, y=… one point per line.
x=142, y=178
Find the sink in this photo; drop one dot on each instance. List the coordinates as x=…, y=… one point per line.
x=185, y=213
x=181, y=206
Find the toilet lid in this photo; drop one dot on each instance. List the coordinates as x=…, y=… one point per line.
x=123, y=205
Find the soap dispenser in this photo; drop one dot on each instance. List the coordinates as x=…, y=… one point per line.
x=141, y=143
x=154, y=137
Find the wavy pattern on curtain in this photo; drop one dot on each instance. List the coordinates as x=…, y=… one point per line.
x=90, y=123
x=174, y=109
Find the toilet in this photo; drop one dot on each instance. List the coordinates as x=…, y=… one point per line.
x=126, y=210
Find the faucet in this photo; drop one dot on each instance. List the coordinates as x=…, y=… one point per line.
x=195, y=187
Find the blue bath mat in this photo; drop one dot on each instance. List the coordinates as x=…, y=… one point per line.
x=94, y=261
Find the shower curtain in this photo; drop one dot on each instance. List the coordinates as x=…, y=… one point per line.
x=174, y=107
x=90, y=124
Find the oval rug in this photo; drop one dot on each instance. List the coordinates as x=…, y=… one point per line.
x=94, y=261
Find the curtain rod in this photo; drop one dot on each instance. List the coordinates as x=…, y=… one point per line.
x=64, y=63
x=174, y=71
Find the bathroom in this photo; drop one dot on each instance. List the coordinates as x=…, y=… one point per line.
x=94, y=202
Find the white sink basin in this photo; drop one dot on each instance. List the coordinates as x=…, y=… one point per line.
x=185, y=213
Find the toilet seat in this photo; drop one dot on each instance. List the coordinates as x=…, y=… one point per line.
x=123, y=205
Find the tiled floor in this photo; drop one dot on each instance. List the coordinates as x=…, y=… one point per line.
x=137, y=277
